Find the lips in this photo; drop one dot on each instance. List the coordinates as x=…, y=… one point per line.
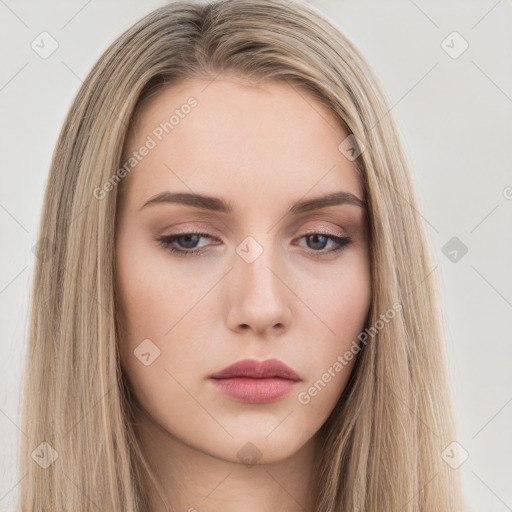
x=255, y=382
x=250, y=368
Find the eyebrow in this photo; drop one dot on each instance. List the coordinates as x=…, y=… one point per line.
x=217, y=204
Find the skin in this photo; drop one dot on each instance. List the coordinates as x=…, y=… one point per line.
x=262, y=148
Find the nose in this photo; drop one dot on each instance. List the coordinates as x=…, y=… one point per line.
x=258, y=294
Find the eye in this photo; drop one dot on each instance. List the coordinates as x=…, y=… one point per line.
x=318, y=241
x=188, y=242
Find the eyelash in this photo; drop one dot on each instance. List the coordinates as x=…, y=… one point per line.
x=166, y=241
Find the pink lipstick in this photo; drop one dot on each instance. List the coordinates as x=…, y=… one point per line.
x=254, y=381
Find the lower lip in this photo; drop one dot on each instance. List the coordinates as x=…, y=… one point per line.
x=254, y=391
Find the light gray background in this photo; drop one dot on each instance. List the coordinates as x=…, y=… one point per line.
x=454, y=116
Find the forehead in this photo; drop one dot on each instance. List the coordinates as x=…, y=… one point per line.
x=239, y=140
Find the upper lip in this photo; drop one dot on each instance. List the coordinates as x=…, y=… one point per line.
x=257, y=369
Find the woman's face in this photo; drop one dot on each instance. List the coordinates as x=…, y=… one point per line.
x=266, y=281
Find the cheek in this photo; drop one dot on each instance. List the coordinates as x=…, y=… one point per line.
x=342, y=306
x=342, y=300
x=152, y=293
x=158, y=307
x=151, y=302
x=145, y=301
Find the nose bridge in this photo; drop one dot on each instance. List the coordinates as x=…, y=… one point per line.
x=258, y=258
x=258, y=294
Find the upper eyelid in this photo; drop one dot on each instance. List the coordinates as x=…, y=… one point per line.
x=311, y=231
x=337, y=230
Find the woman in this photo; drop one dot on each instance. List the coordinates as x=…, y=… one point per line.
x=234, y=306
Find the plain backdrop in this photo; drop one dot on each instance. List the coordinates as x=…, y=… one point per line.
x=454, y=114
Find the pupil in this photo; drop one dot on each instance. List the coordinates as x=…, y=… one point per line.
x=315, y=238
x=190, y=238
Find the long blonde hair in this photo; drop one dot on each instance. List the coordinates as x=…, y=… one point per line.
x=383, y=441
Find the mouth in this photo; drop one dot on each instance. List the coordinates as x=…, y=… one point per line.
x=253, y=381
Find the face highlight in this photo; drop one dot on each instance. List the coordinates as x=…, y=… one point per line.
x=240, y=235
